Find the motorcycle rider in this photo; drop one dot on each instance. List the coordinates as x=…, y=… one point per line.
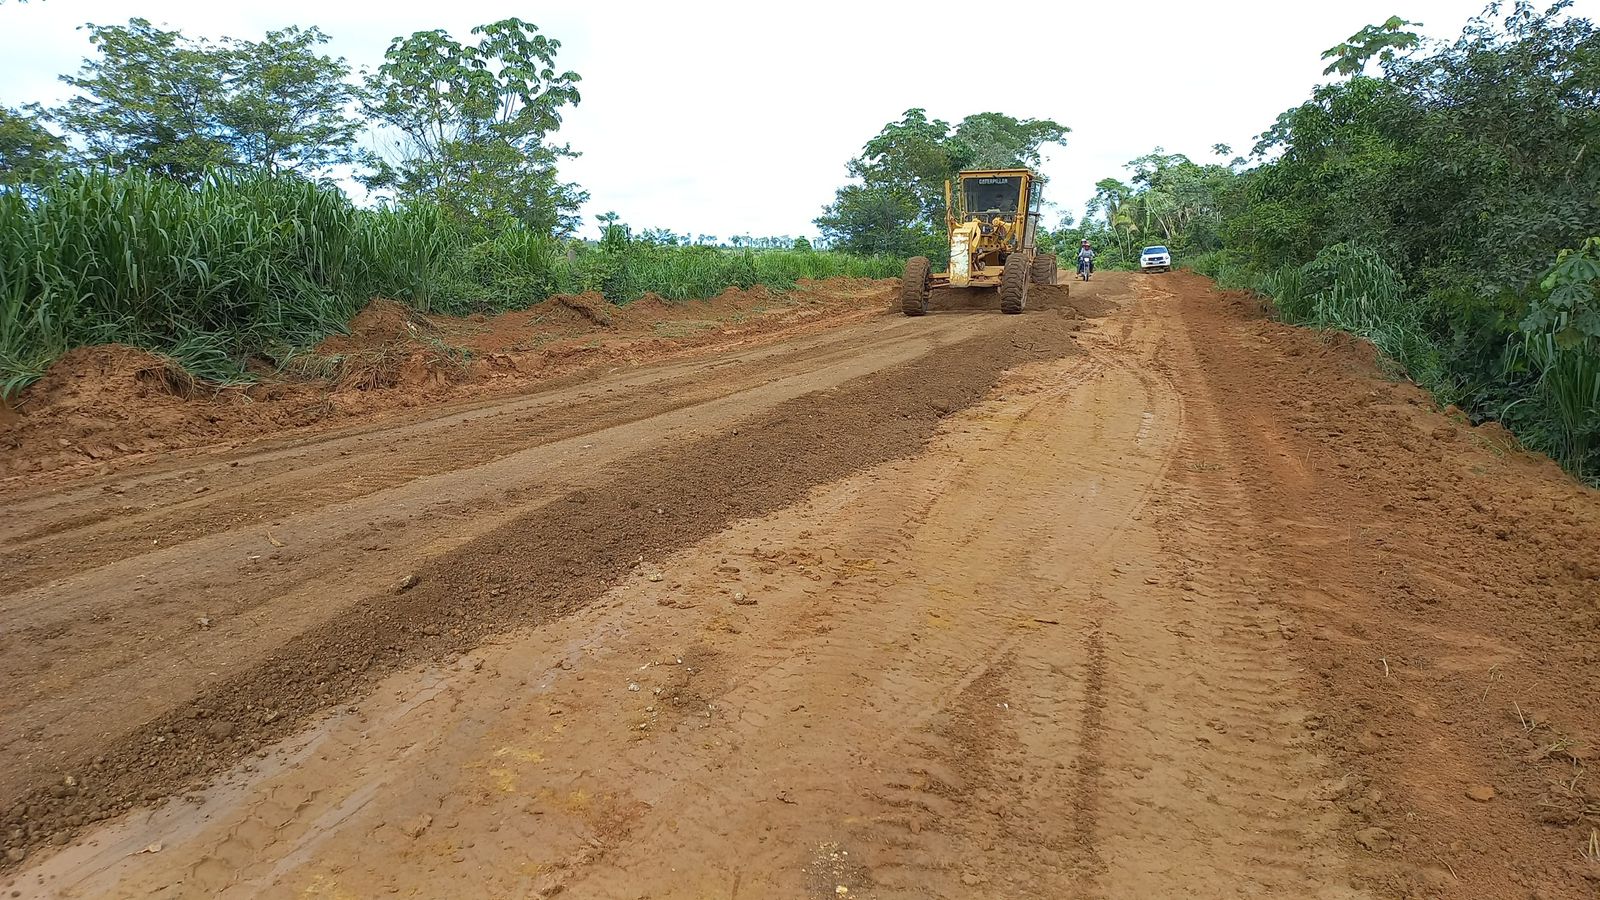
x=1085, y=259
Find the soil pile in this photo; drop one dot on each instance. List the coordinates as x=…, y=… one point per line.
x=98, y=405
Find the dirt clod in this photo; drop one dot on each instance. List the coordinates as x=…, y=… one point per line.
x=1375, y=839
x=413, y=828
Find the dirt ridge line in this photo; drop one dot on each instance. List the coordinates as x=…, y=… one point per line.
x=118, y=533
x=536, y=568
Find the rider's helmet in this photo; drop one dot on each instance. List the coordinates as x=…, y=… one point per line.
x=1085, y=243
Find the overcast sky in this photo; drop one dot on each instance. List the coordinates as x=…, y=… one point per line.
x=737, y=117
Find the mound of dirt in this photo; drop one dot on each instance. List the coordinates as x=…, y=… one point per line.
x=108, y=402
x=1497, y=437
x=591, y=307
x=97, y=376
x=379, y=323
x=98, y=404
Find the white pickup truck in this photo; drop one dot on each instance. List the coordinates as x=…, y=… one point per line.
x=1155, y=259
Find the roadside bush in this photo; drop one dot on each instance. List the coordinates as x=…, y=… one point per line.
x=1561, y=338
x=1228, y=268
x=1419, y=203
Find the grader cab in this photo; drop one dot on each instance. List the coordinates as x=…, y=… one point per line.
x=991, y=220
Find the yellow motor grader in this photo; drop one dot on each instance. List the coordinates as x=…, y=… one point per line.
x=991, y=225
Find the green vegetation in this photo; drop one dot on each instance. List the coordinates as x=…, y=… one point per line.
x=1170, y=200
x=27, y=148
x=188, y=209
x=1444, y=207
x=258, y=266
x=474, y=121
x=895, y=202
x=157, y=101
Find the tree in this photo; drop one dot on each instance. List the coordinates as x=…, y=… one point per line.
x=1109, y=196
x=28, y=150
x=895, y=204
x=147, y=102
x=1457, y=172
x=1178, y=198
x=473, y=120
x=1382, y=40
x=285, y=106
x=662, y=237
x=877, y=219
x=158, y=101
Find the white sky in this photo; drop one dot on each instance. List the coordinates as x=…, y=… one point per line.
x=735, y=117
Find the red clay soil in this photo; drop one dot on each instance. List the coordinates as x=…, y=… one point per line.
x=1188, y=603
x=99, y=406
x=1447, y=591
x=538, y=566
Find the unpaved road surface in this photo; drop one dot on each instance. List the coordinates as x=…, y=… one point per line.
x=1136, y=595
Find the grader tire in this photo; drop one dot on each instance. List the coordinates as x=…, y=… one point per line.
x=914, y=287
x=1014, y=285
x=1044, y=269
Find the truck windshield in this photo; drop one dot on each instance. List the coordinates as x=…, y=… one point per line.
x=992, y=195
x=1151, y=251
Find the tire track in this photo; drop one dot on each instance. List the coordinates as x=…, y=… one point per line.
x=1040, y=658
x=541, y=566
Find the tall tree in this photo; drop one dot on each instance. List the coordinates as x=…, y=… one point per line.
x=156, y=100
x=473, y=122
x=286, y=106
x=27, y=149
x=1383, y=41
x=148, y=102
x=895, y=203
x=1109, y=196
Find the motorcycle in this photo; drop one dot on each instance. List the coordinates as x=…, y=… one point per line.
x=1085, y=268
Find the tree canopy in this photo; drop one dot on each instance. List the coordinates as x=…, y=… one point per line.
x=28, y=149
x=472, y=121
x=895, y=201
x=157, y=101
x=463, y=124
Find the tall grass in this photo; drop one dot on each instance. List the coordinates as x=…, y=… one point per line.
x=211, y=274
x=1353, y=289
x=258, y=267
x=1569, y=388
x=690, y=273
x=1227, y=268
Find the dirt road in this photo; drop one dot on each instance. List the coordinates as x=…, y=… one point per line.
x=1165, y=601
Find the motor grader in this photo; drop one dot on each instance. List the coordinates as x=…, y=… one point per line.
x=991, y=223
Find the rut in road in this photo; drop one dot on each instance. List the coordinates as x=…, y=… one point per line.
x=1026, y=662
